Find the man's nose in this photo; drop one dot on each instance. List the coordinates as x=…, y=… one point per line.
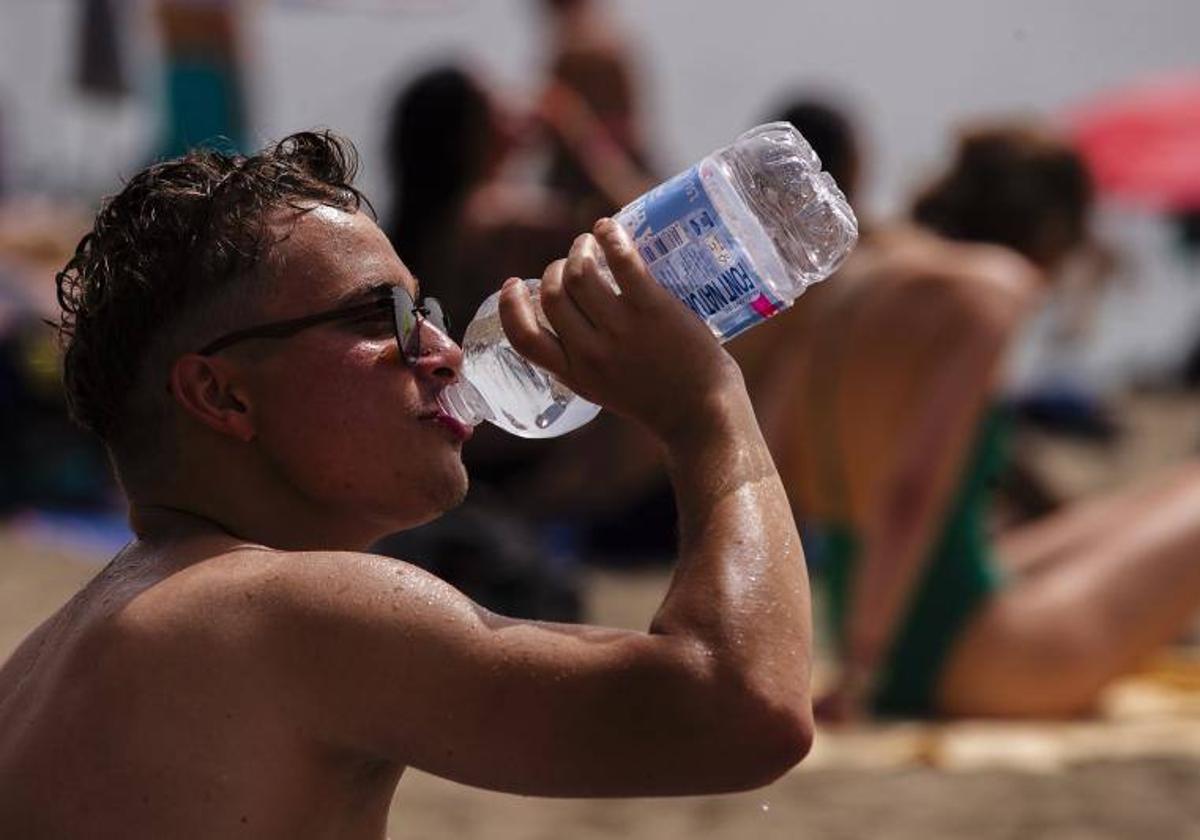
x=440, y=357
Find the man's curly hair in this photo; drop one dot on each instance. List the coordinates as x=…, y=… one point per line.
x=174, y=242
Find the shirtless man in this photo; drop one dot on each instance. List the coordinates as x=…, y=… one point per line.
x=246, y=342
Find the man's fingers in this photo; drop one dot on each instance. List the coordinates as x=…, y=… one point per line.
x=627, y=267
x=587, y=285
x=574, y=329
x=518, y=315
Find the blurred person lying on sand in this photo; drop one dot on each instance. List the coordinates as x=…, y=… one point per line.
x=889, y=439
x=265, y=374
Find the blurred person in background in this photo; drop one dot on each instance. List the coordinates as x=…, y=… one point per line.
x=50, y=471
x=205, y=78
x=462, y=219
x=889, y=441
x=49, y=468
x=268, y=394
x=831, y=129
x=101, y=70
x=465, y=212
x=465, y=215
x=592, y=98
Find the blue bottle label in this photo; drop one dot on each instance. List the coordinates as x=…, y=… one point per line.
x=690, y=250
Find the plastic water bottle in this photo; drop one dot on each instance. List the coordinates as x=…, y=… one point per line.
x=737, y=238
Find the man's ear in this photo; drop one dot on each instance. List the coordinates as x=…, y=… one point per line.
x=204, y=387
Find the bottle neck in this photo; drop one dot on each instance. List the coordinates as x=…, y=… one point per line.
x=465, y=403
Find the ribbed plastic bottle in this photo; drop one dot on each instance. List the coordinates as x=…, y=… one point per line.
x=737, y=238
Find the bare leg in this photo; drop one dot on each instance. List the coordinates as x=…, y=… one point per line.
x=1049, y=642
x=1037, y=545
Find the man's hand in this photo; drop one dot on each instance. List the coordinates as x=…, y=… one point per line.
x=635, y=349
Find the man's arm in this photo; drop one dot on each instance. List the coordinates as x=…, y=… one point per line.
x=391, y=662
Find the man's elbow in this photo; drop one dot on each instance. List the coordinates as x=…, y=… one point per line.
x=786, y=738
x=757, y=722
x=767, y=738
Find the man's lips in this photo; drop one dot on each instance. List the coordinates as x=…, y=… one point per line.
x=461, y=431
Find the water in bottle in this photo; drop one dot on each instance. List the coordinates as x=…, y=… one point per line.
x=737, y=238
x=502, y=386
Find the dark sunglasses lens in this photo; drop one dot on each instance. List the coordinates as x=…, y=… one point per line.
x=407, y=333
x=435, y=315
x=408, y=322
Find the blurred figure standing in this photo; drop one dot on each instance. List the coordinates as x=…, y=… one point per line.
x=101, y=69
x=886, y=436
x=465, y=219
x=459, y=219
x=47, y=464
x=592, y=102
x=205, y=84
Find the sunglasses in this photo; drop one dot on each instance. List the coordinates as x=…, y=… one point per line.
x=407, y=316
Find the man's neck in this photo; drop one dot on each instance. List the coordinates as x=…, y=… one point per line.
x=229, y=493
x=164, y=519
x=166, y=522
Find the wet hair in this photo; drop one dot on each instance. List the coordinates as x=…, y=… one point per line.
x=831, y=134
x=164, y=263
x=1013, y=185
x=435, y=145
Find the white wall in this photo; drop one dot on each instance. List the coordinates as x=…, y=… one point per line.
x=913, y=68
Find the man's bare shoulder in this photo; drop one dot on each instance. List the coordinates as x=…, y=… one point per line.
x=162, y=680
x=317, y=627
x=239, y=618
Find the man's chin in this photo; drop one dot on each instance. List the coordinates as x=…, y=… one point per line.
x=442, y=498
x=455, y=494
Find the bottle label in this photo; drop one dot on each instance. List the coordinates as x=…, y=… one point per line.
x=690, y=250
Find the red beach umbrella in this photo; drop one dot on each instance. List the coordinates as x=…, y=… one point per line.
x=1142, y=143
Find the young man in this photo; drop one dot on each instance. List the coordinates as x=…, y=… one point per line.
x=265, y=374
